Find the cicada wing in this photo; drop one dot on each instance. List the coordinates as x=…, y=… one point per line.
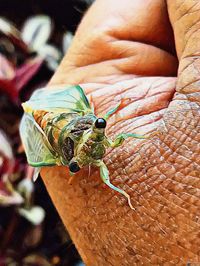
x=66, y=99
x=35, y=143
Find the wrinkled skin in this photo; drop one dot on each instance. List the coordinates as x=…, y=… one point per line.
x=125, y=50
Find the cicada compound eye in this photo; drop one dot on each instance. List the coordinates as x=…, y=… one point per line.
x=100, y=123
x=74, y=167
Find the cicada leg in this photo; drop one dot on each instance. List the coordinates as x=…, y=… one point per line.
x=121, y=138
x=104, y=173
x=112, y=111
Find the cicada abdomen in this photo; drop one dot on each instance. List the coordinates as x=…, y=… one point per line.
x=52, y=125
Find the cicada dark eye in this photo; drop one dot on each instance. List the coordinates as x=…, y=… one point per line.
x=74, y=167
x=100, y=123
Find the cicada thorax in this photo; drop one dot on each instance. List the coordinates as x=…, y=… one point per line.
x=88, y=140
x=71, y=135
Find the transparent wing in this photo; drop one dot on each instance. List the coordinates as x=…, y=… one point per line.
x=68, y=99
x=35, y=143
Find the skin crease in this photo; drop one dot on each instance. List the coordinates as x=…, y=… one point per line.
x=124, y=50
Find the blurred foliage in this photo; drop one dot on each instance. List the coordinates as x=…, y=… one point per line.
x=31, y=232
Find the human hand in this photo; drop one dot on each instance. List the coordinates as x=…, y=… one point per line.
x=125, y=50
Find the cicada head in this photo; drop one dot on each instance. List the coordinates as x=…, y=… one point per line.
x=90, y=146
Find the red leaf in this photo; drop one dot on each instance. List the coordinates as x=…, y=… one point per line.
x=26, y=72
x=12, y=81
x=6, y=156
x=3, y=189
x=2, y=260
x=9, y=88
x=7, y=71
x=12, y=33
x=7, y=74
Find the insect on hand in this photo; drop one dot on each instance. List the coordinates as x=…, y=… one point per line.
x=60, y=128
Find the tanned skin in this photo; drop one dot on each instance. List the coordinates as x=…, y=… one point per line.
x=126, y=50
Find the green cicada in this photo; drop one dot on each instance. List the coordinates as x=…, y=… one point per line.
x=59, y=127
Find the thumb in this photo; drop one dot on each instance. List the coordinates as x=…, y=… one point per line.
x=185, y=18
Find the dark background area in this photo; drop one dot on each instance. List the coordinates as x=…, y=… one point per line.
x=65, y=13
x=49, y=242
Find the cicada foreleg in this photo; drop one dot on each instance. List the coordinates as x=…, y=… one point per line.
x=121, y=138
x=112, y=111
x=104, y=173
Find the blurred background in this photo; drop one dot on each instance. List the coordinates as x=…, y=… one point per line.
x=34, y=36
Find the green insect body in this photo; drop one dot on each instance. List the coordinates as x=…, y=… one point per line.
x=60, y=128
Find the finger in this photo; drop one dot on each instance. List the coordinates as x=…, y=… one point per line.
x=185, y=18
x=131, y=20
x=182, y=122
x=120, y=37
